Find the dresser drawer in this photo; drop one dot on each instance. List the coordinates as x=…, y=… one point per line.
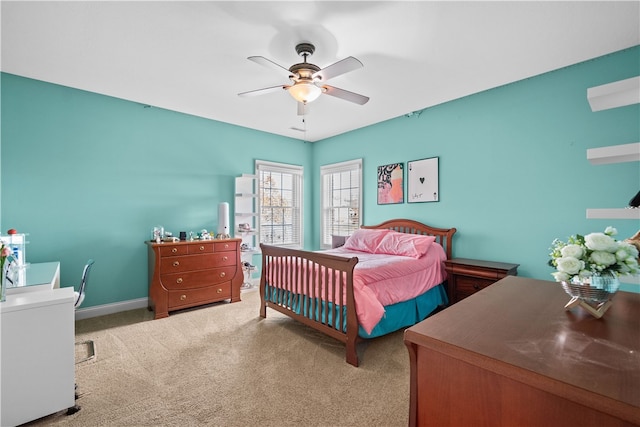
x=225, y=246
x=469, y=285
x=196, y=262
x=202, y=248
x=191, y=297
x=173, y=250
x=197, y=279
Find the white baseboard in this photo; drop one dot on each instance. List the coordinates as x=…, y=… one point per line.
x=101, y=310
x=117, y=307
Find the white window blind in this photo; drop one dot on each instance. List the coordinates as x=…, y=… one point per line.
x=280, y=203
x=341, y=188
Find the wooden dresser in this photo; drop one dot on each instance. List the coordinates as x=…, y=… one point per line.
x=188, y=274
x=511, y=355
x=468, y=276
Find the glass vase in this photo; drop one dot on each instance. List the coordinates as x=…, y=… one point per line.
x=593, y=294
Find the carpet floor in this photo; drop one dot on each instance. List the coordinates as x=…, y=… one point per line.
x=223, y=365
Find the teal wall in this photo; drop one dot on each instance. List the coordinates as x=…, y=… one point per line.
x=513, y=168
x=89, y=176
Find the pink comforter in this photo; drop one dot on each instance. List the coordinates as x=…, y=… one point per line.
x=380, y=280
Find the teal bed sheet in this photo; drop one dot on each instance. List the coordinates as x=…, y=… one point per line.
x=397, y=316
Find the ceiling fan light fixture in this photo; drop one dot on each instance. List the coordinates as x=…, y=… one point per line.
x=304, y=91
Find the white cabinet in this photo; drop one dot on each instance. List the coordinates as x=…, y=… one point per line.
x=37, y=354
x=247, y=224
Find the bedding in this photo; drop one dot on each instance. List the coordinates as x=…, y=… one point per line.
x=380, y=279
x=384, y=278
x=408, y=313
x=389, y=242
x=364, y=240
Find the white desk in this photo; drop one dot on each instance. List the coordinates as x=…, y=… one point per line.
x=37, y=277
x=37, y=355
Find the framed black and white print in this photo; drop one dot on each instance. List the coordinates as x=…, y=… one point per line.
x=422, y=181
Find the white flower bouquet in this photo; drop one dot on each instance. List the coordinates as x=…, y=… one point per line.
x=582, y=257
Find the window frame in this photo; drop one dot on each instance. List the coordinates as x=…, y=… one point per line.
x=354, y=165
x=297, y=173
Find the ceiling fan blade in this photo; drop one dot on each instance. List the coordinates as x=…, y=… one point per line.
x=337, y=68
x=264, y=90
x=270, y=64
x=345, y=94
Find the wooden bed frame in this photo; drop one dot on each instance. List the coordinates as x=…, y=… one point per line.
x=337, y=273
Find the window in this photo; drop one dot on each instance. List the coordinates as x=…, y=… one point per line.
x=341, y=189
x=280, y=200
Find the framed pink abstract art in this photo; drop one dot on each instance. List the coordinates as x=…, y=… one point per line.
x=391, y=184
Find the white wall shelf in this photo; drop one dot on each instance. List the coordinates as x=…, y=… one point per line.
x=614, y=213
x=632, y=280
x=613, y=95
x=614, y=154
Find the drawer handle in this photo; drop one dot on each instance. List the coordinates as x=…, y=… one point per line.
x=224, y=258
x=226, y=246
x=183, y=297
x=176, y=263
x=174, y=250
x=223, y=274
x=202, y=248
x=219, y=290
x=179, y=280
x=476, y=286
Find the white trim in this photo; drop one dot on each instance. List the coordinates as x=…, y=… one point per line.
x=349, y=165
x=279, y=167
x=329, y=170
x=101, y=310
x=297, y=172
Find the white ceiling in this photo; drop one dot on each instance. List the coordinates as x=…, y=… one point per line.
x=191, y=57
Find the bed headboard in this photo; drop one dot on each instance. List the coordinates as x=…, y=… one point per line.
x=444, y=236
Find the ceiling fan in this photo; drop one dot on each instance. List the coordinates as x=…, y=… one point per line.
x=308, y=79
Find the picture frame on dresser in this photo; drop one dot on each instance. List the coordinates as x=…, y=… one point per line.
x=423, y=184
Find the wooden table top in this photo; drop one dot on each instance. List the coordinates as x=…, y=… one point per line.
x=519, y=327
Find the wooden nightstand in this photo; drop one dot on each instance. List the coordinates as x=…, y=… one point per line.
x=468, y=276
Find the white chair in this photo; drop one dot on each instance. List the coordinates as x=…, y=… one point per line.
x=79, y=297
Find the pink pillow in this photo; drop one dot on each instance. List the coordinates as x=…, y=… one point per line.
x=411, y=245
x=365, y=240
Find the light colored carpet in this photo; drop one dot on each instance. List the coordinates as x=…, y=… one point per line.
x=222, y=365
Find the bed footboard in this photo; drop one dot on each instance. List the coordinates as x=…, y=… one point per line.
x=313, y=288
